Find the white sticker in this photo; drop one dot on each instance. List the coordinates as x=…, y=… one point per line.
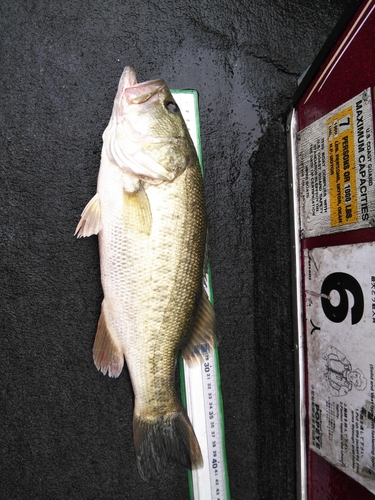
x=340, y=331
x=336, y=170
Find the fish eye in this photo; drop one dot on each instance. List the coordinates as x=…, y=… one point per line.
x=172, y=107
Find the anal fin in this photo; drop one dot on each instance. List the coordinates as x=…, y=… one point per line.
x=90, y=222
x=202, y=335
x=108, y=356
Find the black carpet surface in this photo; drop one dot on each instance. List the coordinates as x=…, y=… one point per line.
x=65, y=429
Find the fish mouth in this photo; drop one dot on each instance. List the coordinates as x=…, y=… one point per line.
x=137, y=93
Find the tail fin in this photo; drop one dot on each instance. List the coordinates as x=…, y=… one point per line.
x=168, y=437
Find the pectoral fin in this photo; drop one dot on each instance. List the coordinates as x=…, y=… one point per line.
x=137, y=211
x=202, y=337
x=108, y=355
x=90, y=222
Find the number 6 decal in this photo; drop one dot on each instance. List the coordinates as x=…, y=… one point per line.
x=341, y=282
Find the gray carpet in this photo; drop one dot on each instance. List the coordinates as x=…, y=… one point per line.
x=65, y=429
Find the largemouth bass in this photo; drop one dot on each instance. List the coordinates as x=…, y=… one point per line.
x=150, y=219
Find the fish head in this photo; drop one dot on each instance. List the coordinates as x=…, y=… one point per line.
x=147, y=134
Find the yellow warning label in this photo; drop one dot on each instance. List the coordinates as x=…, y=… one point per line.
x=342, y=168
